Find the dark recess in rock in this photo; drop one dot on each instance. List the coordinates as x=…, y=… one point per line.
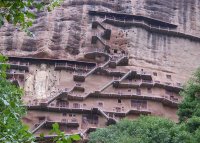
x=29, y=45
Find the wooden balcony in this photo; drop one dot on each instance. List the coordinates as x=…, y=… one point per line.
x=149, y=83
x=169, y=101
x=163, y=99
x=18, y=66
x=130, y=17
x=132, y=84
x=75, y=97
x=168, y=86
x=173, y=88
x=123, y=60
x=79, y=77
x=151, y=28
x=15, y=74
x=93, y=53
x=144, y=76
x=137, y=111
x=69, y=110
x=67, y=123
x=78, y=87
x=72, y=67
x=112, y=64
x=112, y=73
x=46, y=123
x=59, y=109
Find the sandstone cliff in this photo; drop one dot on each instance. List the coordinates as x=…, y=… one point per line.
x=66, y=33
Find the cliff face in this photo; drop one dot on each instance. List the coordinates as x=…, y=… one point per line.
x=94, y=62
x=66, y=33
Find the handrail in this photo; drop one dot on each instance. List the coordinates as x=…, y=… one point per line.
x=111, y=82
x=56, y=96
x=53, y=136
x=46, y=121
x=103, y=113
x=126, y=75
x=153, y=84
x=48, y=60
x=124, y=96
x=69, y=66
x=96, y=68
x=99, y=110
x=39, y=126
x=105, y=64
x=86, y=130
x=105, y=86
x=17, y=66
x=100, y=40
x=150, y=28
x=91, y=72
x=150, y=20
x=144, y=111
x=119, y=60
x=107, y=32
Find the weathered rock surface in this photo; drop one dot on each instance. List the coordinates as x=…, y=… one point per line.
x=66, y=33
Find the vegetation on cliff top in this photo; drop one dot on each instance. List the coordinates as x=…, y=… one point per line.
x=21, y=12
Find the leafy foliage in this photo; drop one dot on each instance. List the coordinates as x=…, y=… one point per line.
x=20, y=12
x=144, y=130
x=61, y=137
x=3, y=66
x=191, y=104
x=11, y=111
x=189, y=109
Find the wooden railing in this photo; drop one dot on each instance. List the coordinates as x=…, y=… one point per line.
x=150, y=28
x=18, y=65
x=46, y=121
x=131, y=17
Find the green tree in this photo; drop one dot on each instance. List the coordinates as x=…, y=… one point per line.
x=20, y=12
x=189, y=109
x=11, y=111
x=190, y=106
x=146, y=129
